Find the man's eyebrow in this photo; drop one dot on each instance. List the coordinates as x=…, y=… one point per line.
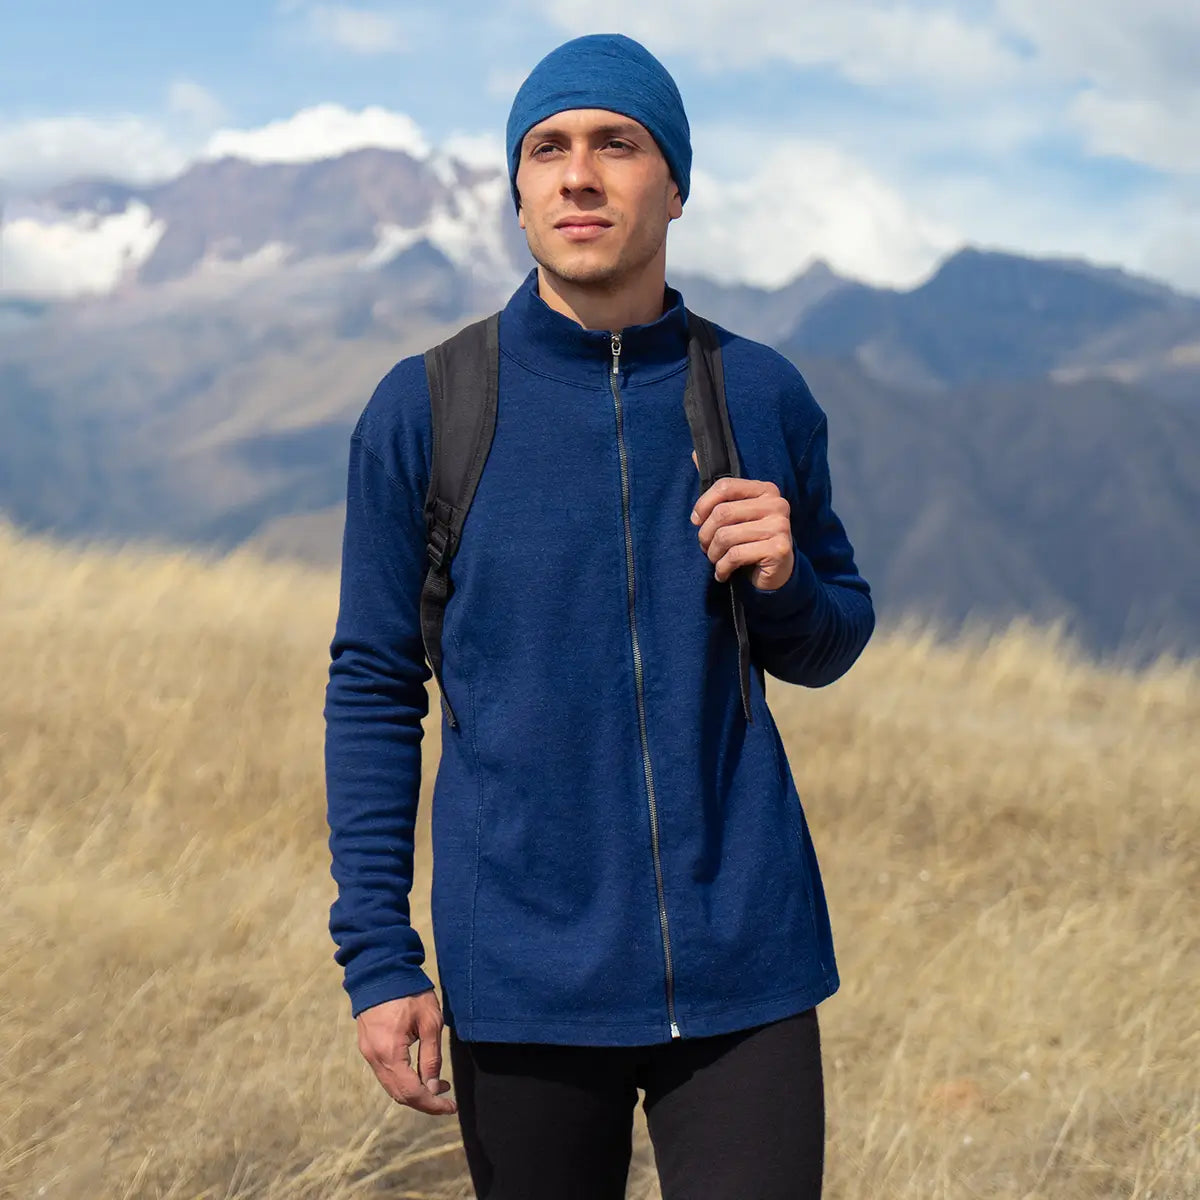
x=616, y=129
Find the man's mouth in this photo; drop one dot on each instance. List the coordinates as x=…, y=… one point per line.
x=582, y=228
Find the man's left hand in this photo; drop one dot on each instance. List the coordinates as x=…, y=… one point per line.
x=746, y=523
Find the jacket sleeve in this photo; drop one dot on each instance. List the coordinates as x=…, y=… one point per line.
x=374, y=703
x=812, y=627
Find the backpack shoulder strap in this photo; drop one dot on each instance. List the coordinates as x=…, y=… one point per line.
x=716, y=455
x=704, y=402
x=463, y=374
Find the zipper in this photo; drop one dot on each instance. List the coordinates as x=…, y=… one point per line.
x=641, y=701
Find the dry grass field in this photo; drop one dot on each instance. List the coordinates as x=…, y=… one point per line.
x=1009, y=835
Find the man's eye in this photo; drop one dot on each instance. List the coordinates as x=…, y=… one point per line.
x=539, y=151
x=619, y=144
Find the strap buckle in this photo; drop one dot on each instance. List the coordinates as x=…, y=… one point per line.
x=440, y=534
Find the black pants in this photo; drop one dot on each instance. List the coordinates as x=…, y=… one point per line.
x=739, y=1116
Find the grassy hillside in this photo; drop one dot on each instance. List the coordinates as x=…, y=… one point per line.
x=1008, y=835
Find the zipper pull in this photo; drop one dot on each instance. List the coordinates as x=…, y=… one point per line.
x=616, y=351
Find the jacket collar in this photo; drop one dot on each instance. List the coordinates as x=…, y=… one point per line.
x=552, y=344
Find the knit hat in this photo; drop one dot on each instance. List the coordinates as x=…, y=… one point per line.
x=609, y=71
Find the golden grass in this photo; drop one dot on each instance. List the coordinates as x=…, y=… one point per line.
x=1008, y=834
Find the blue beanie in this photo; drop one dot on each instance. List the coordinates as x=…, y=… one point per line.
x=610, y=71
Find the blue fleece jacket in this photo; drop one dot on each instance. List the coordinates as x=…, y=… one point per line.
x=618, y=856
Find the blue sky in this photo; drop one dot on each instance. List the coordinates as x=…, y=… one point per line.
x=877, y=135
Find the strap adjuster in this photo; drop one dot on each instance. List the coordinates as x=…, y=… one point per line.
x=438, y=545
x=439, y=527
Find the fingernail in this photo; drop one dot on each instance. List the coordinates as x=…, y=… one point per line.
x=695, y=519
x=433, y=1084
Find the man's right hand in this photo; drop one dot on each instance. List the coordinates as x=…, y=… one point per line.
x=386, y=1033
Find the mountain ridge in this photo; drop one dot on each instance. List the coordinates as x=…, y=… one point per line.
x=1046, y=408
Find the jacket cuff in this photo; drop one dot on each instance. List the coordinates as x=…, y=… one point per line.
x=767, y=609
x=405, y=982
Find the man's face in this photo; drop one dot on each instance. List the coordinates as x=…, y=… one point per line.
x=596, y=196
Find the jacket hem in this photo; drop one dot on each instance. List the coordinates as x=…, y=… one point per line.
x=706, y=1023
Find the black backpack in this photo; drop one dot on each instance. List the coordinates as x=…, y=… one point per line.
x=464, y=374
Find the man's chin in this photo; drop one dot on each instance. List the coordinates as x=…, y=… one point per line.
x=583, y=270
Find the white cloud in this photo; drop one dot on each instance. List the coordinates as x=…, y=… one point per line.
x=1156, y=232
x=364, y=31
x=869, y=41
x=1150, y=46
x=323, y=131
x=776, y=205
x=1132, y=69
x=480, y=150
x=1110, y=77
x=804, y=201
x=1172, y=250
x=357, y=29
x=46, y=150
x=188, y=99
x=1141, y=129
x=78, y=255
x=1123, y=76
x=267, y=259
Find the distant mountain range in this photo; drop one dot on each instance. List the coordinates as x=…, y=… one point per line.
x=1013, y=436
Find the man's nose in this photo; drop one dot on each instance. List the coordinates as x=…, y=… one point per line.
x=579, y=170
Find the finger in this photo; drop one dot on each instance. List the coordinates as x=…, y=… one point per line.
x=744, y=549
x=771, y=513
x=730, y=488
x=735, y=513
x=727, y=537
x=403, y=1083
x=430, y=1058
x=404, y=1086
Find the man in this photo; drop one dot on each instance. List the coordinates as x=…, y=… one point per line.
x=625, y=894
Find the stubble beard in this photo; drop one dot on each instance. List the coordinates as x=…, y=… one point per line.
x=604, y=276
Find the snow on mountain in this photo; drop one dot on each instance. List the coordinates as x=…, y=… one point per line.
x=465, y=228
x=326, y=183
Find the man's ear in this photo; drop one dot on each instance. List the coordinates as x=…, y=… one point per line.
x=675, y=204
x=521, y=216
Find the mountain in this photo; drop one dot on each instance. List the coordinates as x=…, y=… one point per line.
x=190, y=418
x=990, y=316
x=766, y=314
x=369, y=203
x=1079, y=501
x=1012, y=436
x=373, y=218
